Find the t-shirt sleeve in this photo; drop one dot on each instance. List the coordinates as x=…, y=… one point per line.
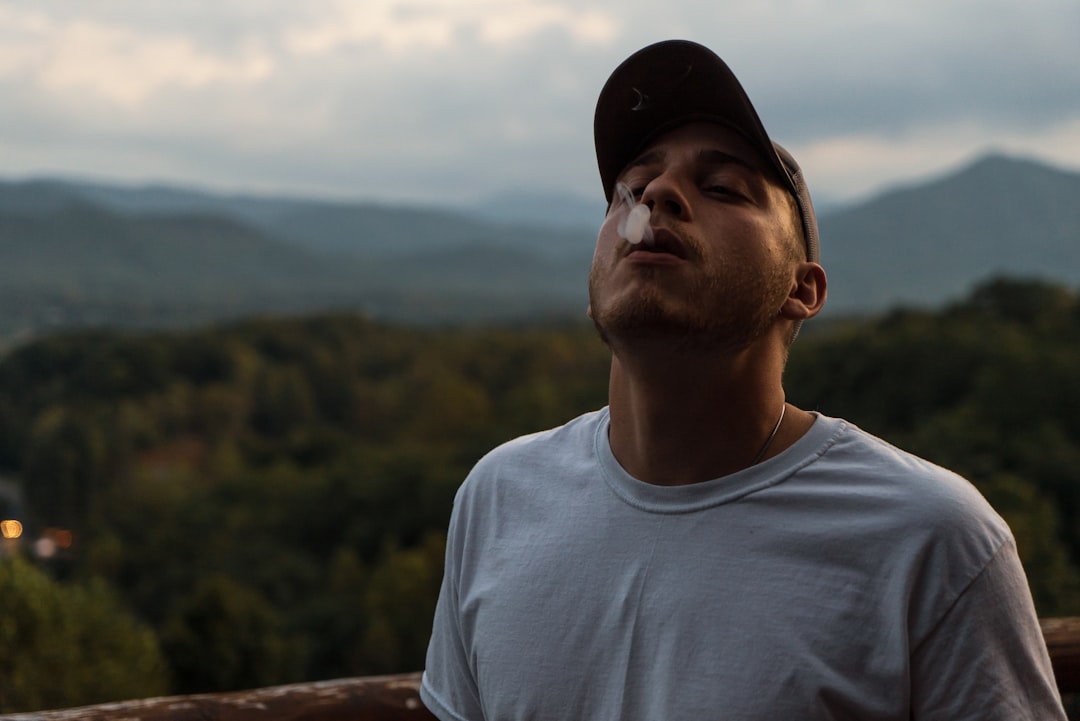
x=448, y=687
x=986, y=659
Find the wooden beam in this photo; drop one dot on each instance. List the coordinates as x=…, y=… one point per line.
x=1063, y=642
x=372, y=698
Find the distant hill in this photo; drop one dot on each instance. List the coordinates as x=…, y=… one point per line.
x=78, y=264
x=360, y=228
x=550, y=210
x=934, y=241
x=77, y=253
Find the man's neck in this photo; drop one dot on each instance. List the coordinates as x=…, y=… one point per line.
x=682, y=420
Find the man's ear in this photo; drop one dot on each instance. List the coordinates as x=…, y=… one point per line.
x=808, y=292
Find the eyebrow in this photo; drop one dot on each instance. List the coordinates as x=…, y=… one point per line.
x=719, y=157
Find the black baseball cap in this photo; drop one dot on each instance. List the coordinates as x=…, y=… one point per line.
x=675, y=82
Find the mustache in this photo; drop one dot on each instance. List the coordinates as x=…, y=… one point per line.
x=666, y=240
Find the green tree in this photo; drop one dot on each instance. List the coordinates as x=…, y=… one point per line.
x=399, y=603
x=224, y=636
x=1055, y=582
x=70, y=645
x=65, y=466
x=334, y=621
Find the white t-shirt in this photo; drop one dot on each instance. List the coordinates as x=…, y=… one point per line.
x=840, y=579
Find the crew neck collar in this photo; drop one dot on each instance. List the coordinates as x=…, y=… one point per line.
x=726, y=489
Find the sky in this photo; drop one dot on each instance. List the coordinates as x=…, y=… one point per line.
x=455, y=101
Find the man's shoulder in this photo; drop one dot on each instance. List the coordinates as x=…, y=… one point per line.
x=872, y=456
x=578, y=431
x=919, y=491
x=538, y=453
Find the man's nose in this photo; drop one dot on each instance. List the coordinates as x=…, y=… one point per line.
x=664, y=194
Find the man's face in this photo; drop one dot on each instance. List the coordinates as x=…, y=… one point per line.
x=725, y=249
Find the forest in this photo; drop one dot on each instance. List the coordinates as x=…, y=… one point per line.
x=265, y=502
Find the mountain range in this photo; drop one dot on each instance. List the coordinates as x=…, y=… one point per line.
x=78, y=253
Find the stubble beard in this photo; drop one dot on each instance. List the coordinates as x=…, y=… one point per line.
x=730, y=312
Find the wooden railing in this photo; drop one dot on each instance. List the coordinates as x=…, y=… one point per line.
x=395, y=698
x=374, y=698
x=1063, y=641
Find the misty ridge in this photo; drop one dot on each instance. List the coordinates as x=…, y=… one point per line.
x=77, y=254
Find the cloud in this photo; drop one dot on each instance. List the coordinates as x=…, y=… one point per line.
x=122, y=64
x=851, y=166
x=453, y=99
x=399, y=27
x=891, y=67
x=126, y=67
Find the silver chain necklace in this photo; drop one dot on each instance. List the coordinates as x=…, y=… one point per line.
x=769, y=440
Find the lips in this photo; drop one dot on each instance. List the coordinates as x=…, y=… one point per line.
x=664, y=241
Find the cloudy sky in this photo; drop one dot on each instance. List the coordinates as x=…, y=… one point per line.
x=448, y=101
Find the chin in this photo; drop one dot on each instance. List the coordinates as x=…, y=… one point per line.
x=641, y=324
x=716, y=315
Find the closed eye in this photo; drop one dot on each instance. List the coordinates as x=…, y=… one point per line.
x=724, y=191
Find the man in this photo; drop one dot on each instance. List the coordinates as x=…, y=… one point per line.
x=700, y=549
